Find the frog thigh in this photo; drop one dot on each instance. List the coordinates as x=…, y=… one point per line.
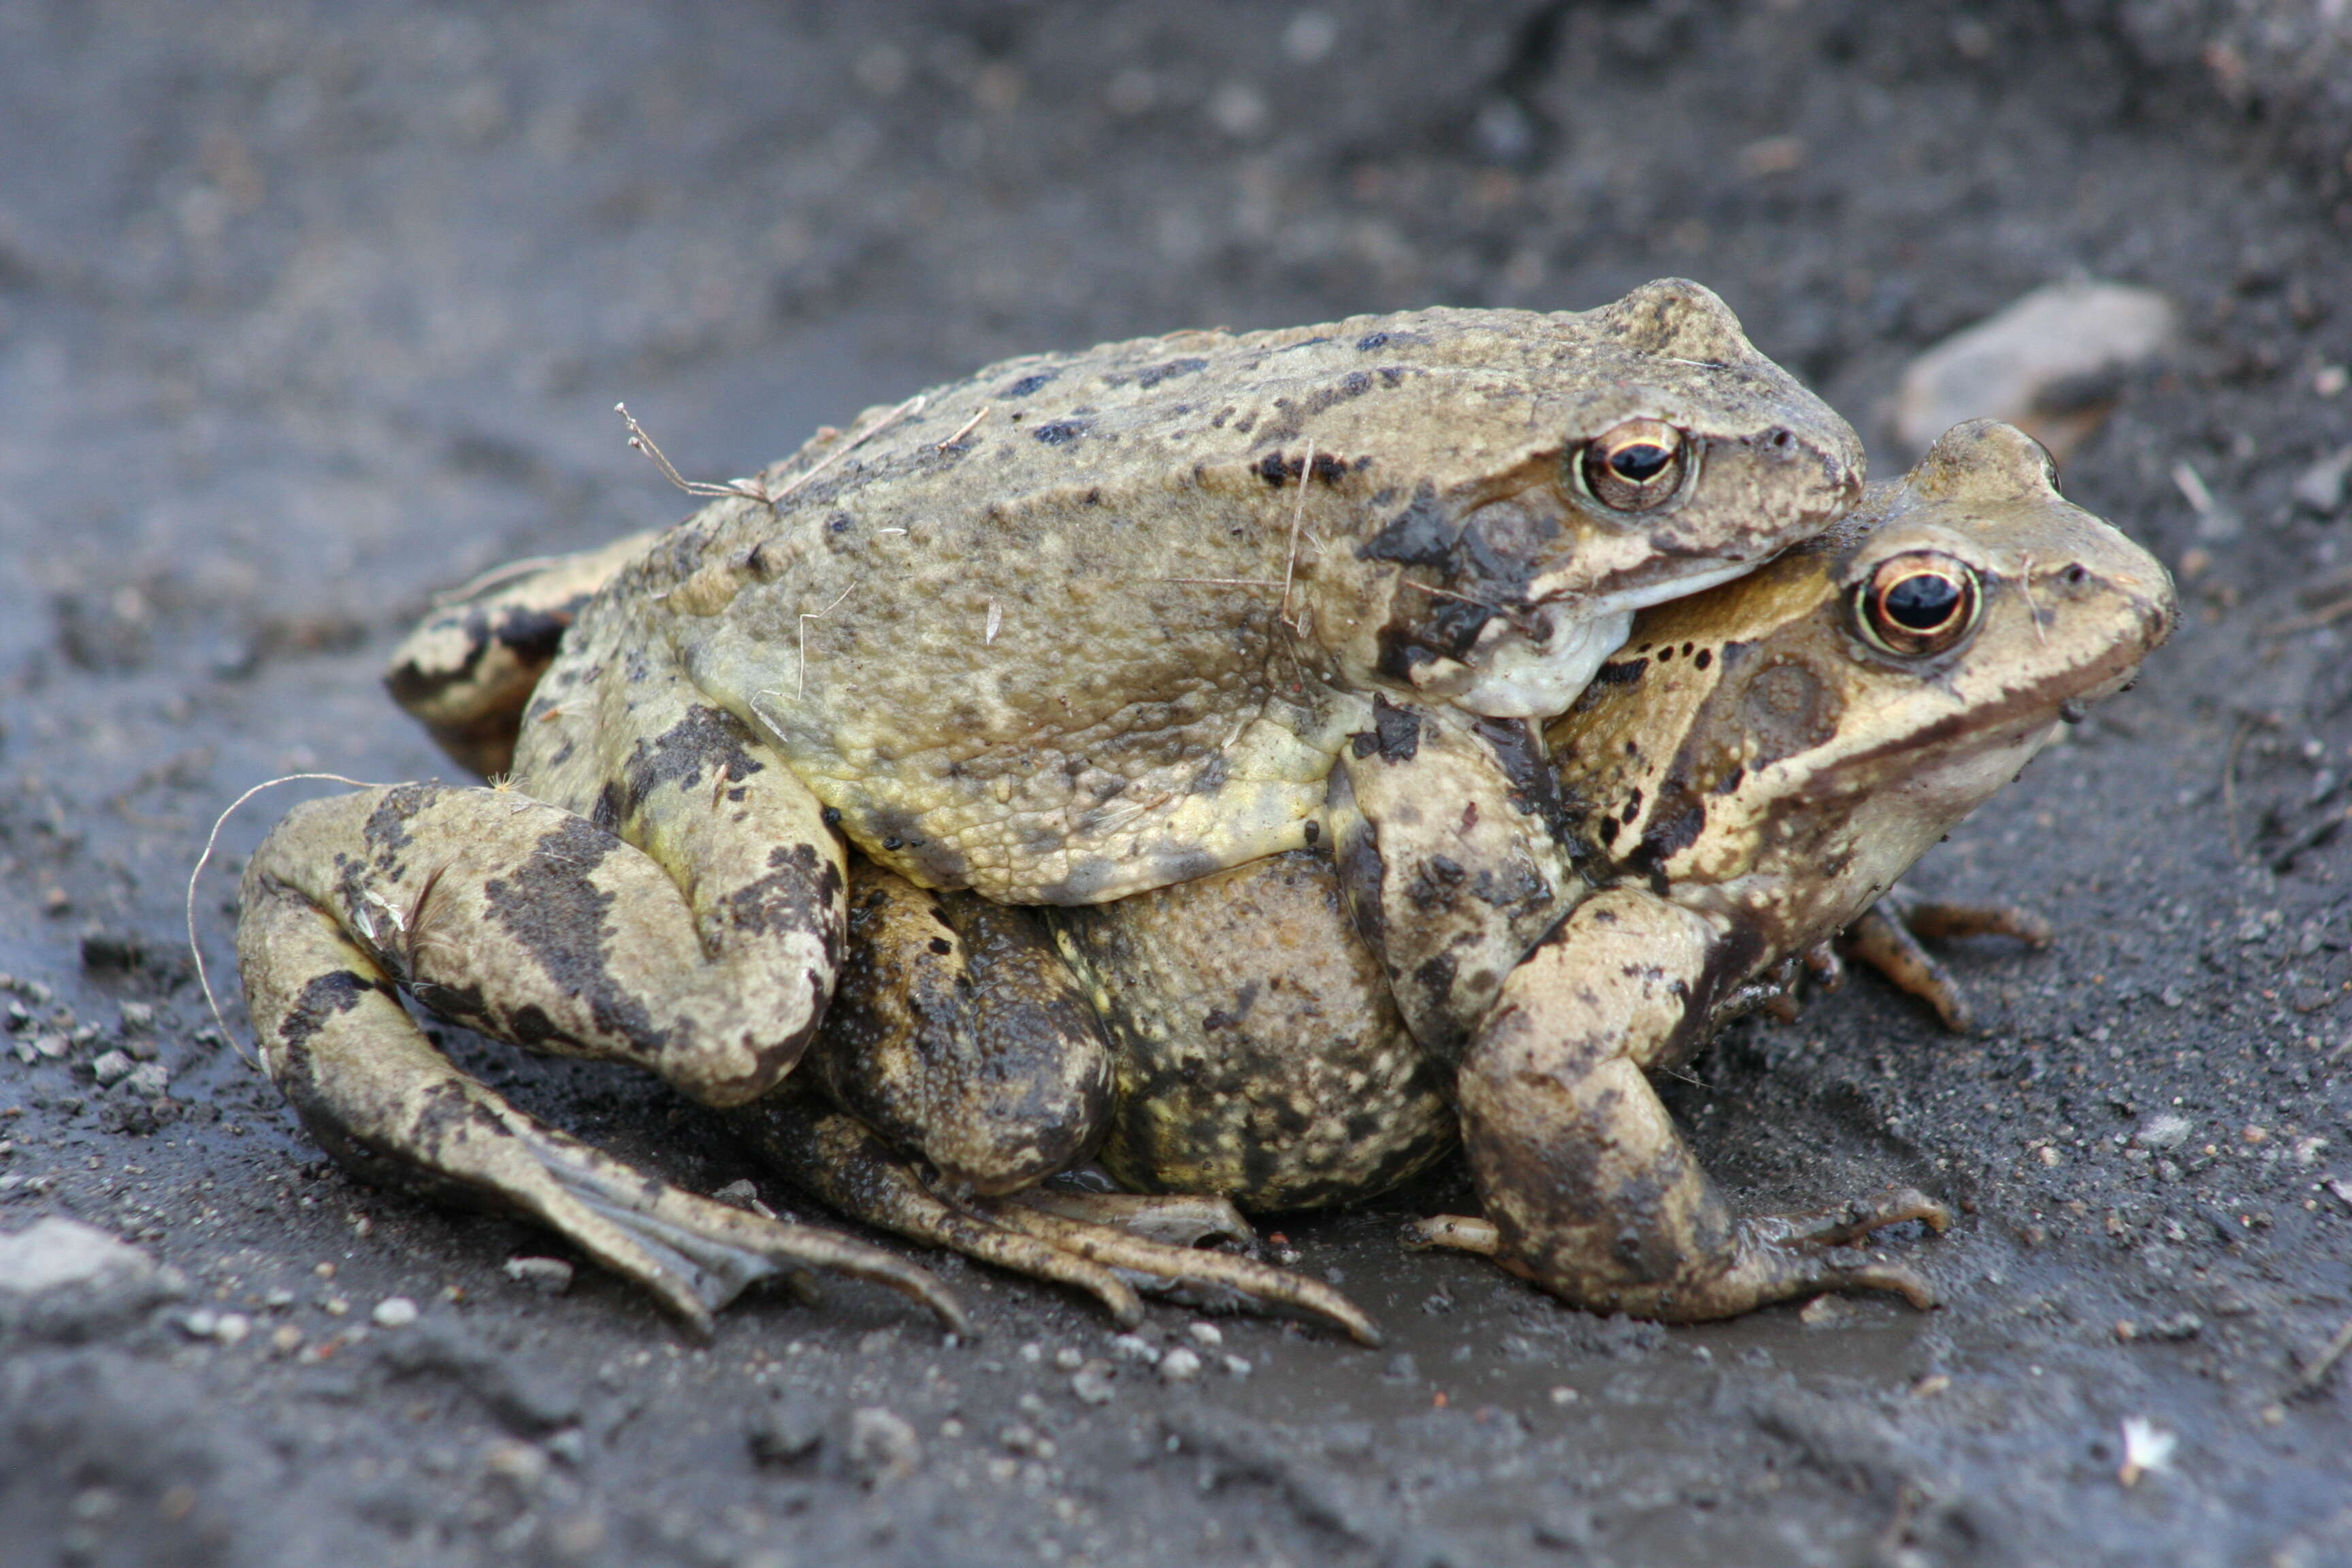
x=1446, y=830
x=386, y=1104
x=707, y=955
x=958, y=1034
x=469, y=668
x=1592, y=1191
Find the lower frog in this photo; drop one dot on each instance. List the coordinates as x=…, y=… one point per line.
x=1749, y=776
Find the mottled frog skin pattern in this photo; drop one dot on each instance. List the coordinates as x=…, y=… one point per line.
x=1076, y=626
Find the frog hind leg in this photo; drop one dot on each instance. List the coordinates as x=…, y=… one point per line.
x=1589, y=1189
x=1887, y=938
x=830, y=1154
x=466, y=672
x=387, y=1105
x=698, y=935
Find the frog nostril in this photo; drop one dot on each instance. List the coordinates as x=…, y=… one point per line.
x=2077, y=575
x=1779, y=439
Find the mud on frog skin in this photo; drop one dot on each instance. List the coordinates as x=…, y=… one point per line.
x=1076, y=626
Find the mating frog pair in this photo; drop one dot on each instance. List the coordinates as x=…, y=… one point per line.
x=1085, y=627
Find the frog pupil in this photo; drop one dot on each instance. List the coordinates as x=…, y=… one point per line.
x=1923, y=602
x=1640, y=462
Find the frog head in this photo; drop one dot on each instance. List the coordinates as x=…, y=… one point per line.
x=1652, y=453
x=1778, y=752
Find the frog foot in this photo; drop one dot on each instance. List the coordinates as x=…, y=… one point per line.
x=1060, y=1238
x=1772, y=1257
x=1887, y=938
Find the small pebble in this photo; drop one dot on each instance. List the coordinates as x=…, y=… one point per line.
x=394, y=1312
x=1033, y=1352
x=2049, y=363
x=882, y=1447
x=1132, y=1347
x=1068, y=1358
x=139, y=1015
x=548, y=1276
x=1180, y=1365
x=286, y=1339
x=150, y=1079
x=112, y=1068
x=231, y=1328
x=1563, y=1395
x=1237, y=1366
x=1092, y=1383
x=1208, y=1336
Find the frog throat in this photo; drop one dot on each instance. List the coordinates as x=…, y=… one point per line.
x=1522, y=678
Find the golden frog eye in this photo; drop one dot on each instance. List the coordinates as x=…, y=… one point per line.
x=1918, y=604
x=1636, y=466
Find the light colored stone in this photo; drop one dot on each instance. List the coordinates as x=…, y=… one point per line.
x=2038, y=364
x=112, y=1067
x=394, y=1312
x=53, y=1253
x=882, y=1447
x=1180, y=1365
x=549, y=1275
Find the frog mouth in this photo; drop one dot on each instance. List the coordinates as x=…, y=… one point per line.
x=1535, y=662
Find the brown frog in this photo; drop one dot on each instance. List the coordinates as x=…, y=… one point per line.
x=1077, y=627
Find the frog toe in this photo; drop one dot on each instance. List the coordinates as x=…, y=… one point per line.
x=1042, y=1234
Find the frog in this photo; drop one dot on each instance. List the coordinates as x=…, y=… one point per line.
x=1749, y=775
x=1073, y=627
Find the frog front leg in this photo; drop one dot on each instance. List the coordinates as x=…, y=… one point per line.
x=1587, y=1188
x=1447, y=834
x=701, y=940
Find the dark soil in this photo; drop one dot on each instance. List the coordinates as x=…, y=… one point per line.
x=307, y=312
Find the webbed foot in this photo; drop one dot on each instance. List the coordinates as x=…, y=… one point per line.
x=1057, y=1236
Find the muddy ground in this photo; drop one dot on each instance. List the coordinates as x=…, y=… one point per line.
x=307, y=312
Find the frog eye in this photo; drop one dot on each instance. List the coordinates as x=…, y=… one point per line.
x=1918, y=604
x=1636, y=466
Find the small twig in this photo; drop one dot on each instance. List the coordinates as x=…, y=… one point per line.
x=1449, y=594
x=495, y=575
x=749, y=489
x=1297, y=515
x=801, y=688
x=906, y=410
x=194, y=950
x=969, y=425
x=2246, y=727
x=2316, y=1372
x=754, y=489
x=2032, y=611
x=2325, y=616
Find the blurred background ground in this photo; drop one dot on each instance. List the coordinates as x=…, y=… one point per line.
x=306, y=312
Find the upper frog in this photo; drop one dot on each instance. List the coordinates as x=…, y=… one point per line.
x=1085, y=624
